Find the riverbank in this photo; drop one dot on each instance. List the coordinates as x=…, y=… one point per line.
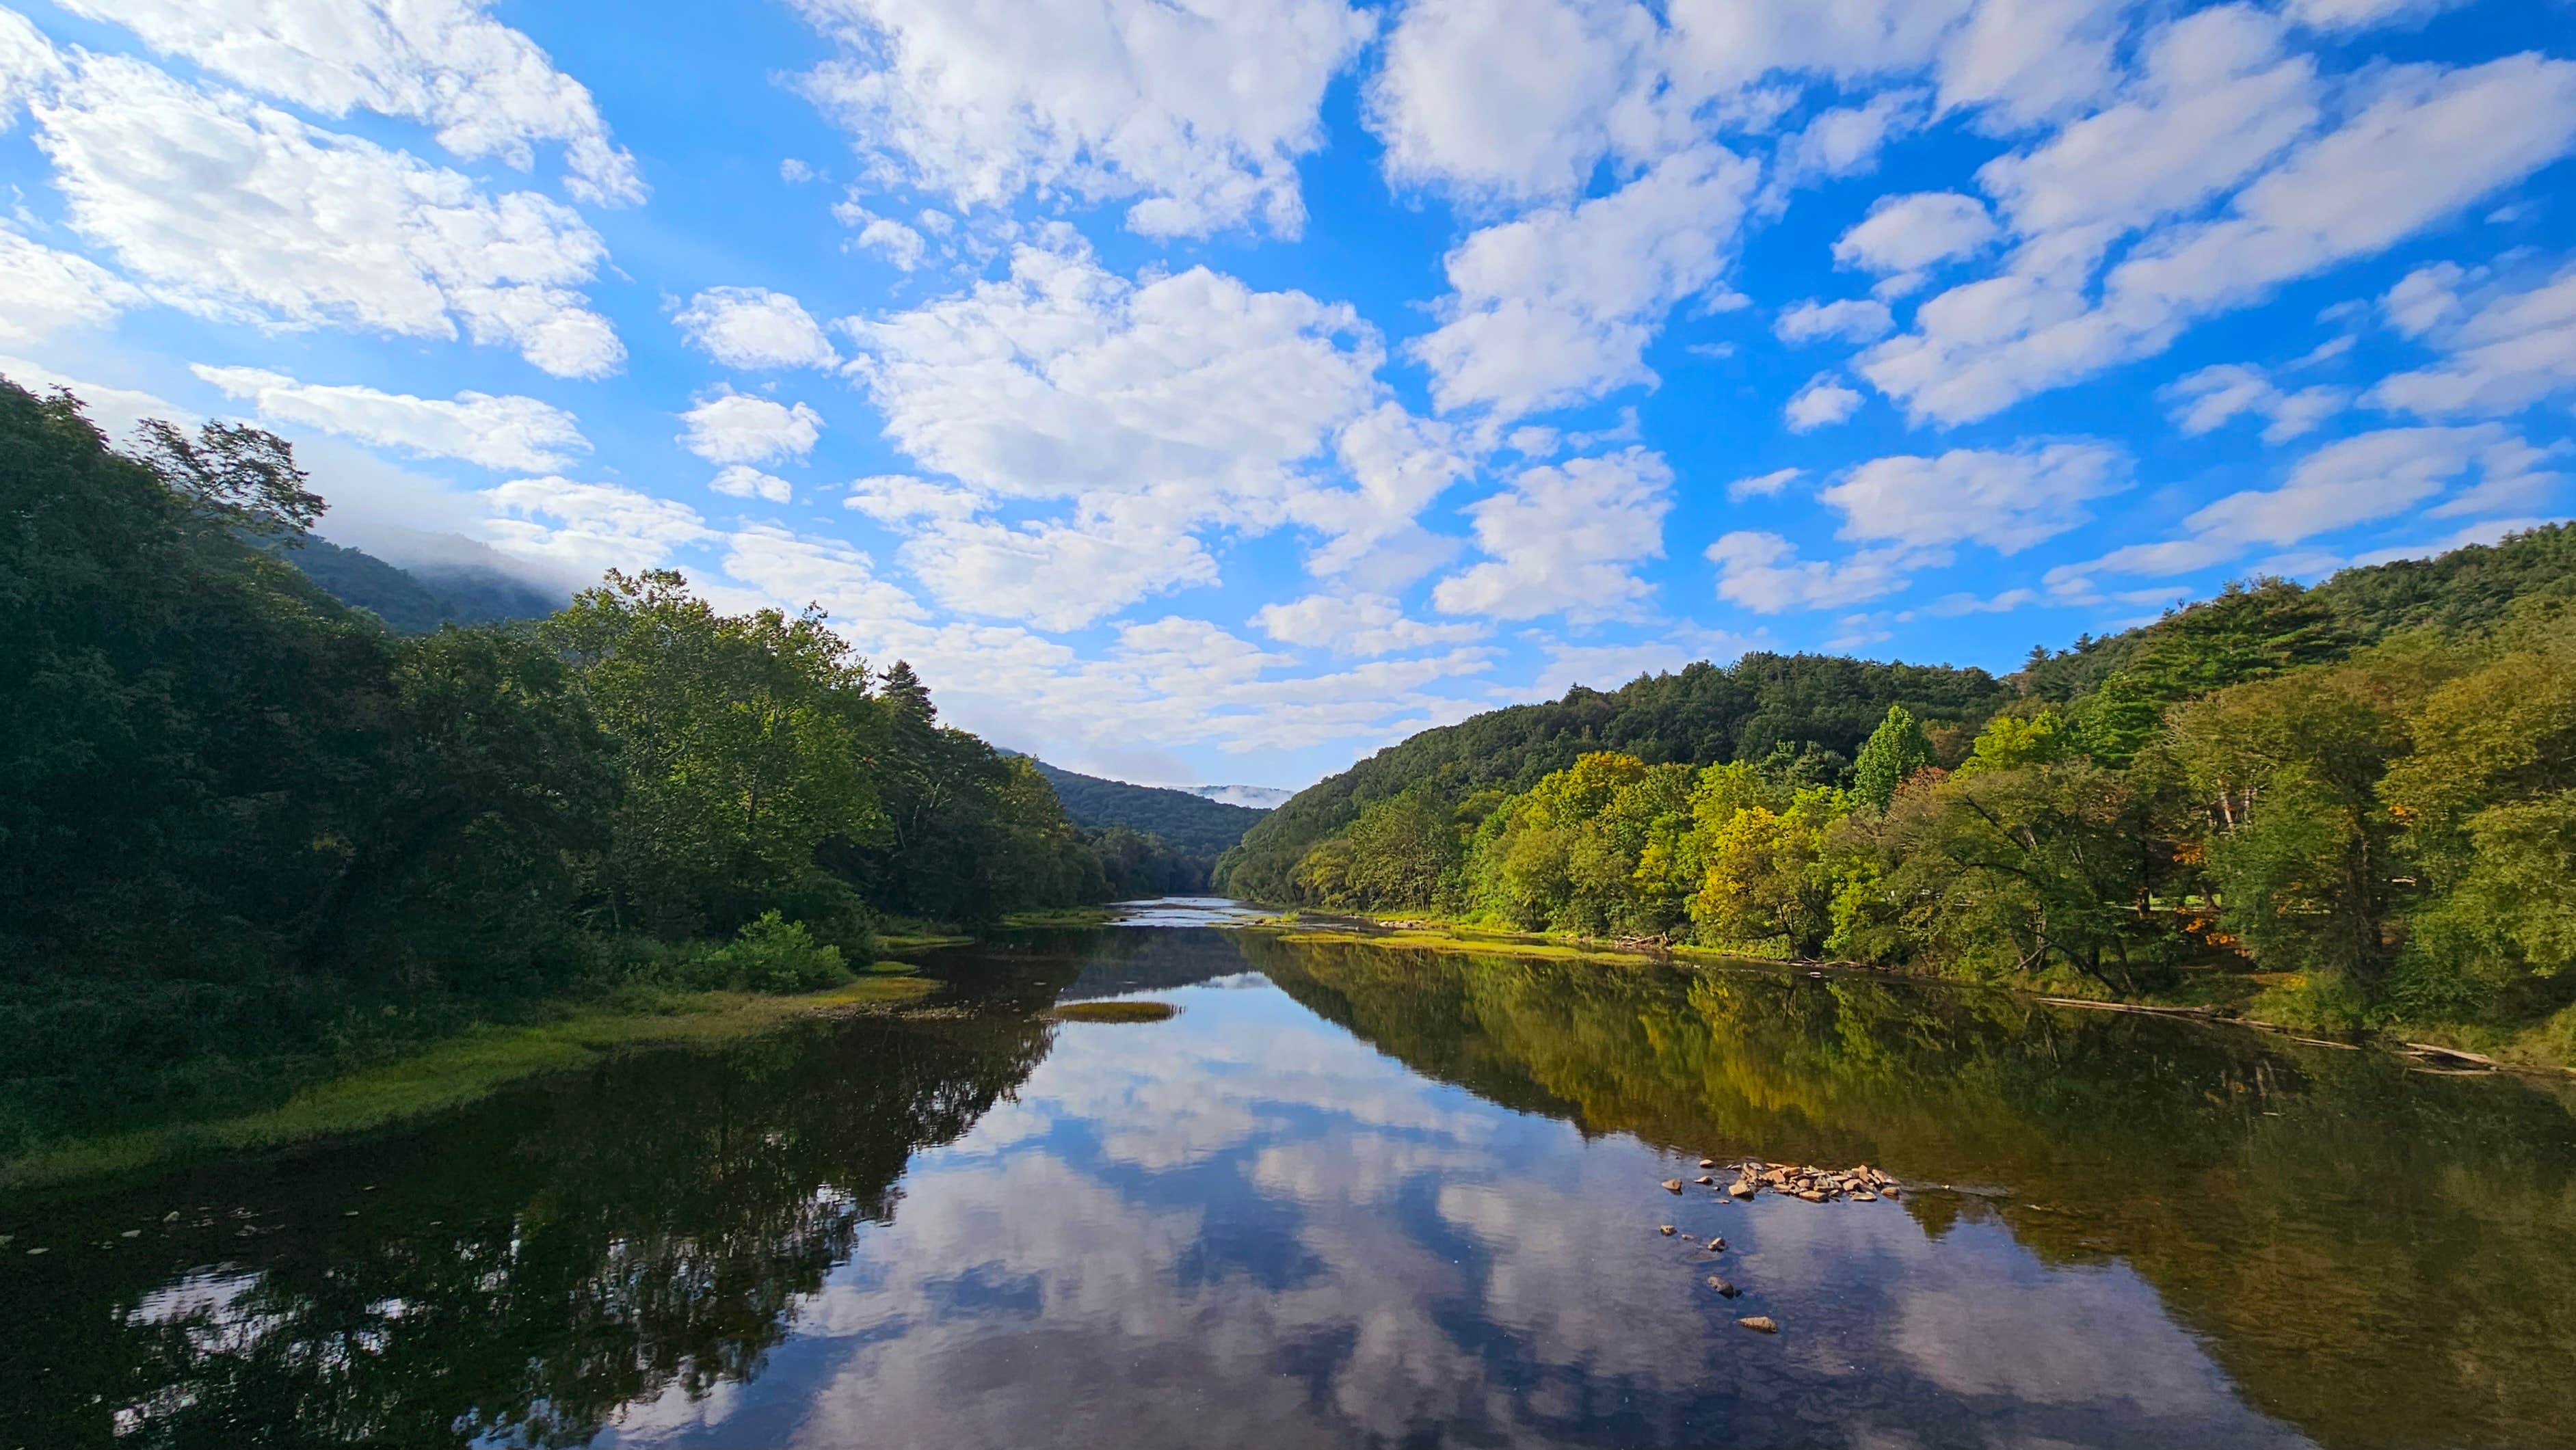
x=458, y=1070
x=2242, y=999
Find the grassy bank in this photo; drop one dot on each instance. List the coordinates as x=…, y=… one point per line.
x=456, y=1071
x=2275, y=1001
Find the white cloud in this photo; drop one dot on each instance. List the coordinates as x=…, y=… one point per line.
x=895, y=498
x=236, y=210
x=1565, y=539
x=1055, y=574
x=1903, y=235
x=2215, y=99
x=1357, y=624
x=495, y=432
x=1763, y=485
x=1849, y=319
x=1514, y=99
x=2502, y=351
x=1559, y=305
x=1762, y=572
x=2007, y=500
x=736, y=427
x=1842, y=141
x=1398, y=464
x=445, y=63
x=795, y=570
x=753, y=327
x=27, y=62
x=1608, y=666
x=44, y=292
x=2429, y=141
x=741, y=480
x=2341, y=485
x=2210, y=398
x=1063, y=380
x=2363, y=14
x=1203, y=115
x=595, y=526
x=2027, y=60
x=1823, y=402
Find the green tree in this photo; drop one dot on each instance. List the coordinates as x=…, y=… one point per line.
x=1895, y=750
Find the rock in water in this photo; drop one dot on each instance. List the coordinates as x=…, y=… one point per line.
x=1666, y=1230
x=1739, y=1190
x=1708, y=1162
x=1672, y=1185
x=1760, y=1323
x=1724, y=1289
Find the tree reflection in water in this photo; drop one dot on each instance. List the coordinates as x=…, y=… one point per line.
x=1309, y=1219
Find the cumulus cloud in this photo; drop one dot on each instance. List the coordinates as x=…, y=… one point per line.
x=795, y=570
x=1199, y=116
x=236, y=210
x=27, y=61
x=488, y=89
x=1763, y=572
x=753, y=327
x=2425, y=145
x=733, y=427
x=1056, y=574
x=1063, y=380
x=1904, y=235
x=895, y=498
x=2207, y=400
x=1763, y=485
x=2502, y=349
x=1559, y=305
x=1850, y=319
x=44, y=292
x=1356, y=624
x=589, y=526
x=2005, y=499
x=741, y=480
x=1823, y=402
x=496, y=432
x=1566, y=539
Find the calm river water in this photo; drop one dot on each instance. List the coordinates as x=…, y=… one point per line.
x=1352, y=1196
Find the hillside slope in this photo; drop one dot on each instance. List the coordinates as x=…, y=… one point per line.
x=418, y=601
x=1188, y=824
x=1821, y=704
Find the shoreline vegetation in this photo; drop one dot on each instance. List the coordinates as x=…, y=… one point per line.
x=252, y=838
x=2347, y=810
x=459, y=1070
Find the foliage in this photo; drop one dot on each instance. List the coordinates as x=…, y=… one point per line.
x=1894, y=751
x=2275, y=780
x=239, y=818
x=1804, y=714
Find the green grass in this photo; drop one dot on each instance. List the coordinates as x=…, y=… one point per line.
x=1060, y=916
x=1115, y=1012
x=455, y=1072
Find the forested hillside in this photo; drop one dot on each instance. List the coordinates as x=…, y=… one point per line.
x=2360, y=797
x=1190, y=824
x=415, y=601
x=1151, y=841
x=1805, y=713
x=238, y=818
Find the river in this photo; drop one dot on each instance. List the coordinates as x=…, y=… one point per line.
x=1352, y=1195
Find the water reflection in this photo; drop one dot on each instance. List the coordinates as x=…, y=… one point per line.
x=1354, y=1195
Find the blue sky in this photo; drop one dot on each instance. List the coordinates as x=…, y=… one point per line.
x=1204, y=392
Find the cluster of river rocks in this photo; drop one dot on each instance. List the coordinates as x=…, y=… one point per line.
x=1803, y=1181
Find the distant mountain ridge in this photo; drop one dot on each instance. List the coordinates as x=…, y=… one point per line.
x=419, y=599
x=1190, y=824
x=1257, y=797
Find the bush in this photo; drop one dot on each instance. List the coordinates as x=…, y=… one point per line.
x=774, y=954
